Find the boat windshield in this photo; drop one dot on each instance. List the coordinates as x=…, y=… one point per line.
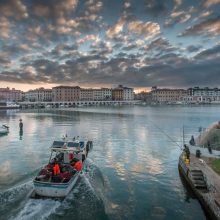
x=58, y=144
x=73, y=144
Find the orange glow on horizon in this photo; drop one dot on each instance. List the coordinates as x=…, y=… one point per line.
x=142, y=89
x=25, y=86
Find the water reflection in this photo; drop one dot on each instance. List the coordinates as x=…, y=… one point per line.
x=21, y=133
x=5, y=172
x=137, y=161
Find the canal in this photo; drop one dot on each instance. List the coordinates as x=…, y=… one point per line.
x=132, y=171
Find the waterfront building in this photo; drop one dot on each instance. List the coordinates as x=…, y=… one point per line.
x=117, y=93
x=122, y=93
x=106, y=93
x=98, y=95
x=102, y=94
x=204, y=95
x=7, y=94
x=75, y=93
x=144, y=96
x=65, y=93
x=39, y=95
x=168, y=95
x=128, y=93
x=87, y=94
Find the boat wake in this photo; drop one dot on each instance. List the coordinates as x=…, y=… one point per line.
x=12, y=198
x=84, y=202
x=37, y=209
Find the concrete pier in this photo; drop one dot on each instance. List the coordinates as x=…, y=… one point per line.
x=204, y=182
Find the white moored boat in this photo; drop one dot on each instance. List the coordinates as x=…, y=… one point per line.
x=66, y=162
x=4, y=129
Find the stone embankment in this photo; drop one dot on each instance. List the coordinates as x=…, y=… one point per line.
x=204, y=182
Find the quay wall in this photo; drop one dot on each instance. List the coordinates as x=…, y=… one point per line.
x=208, y=197
x=68, y=104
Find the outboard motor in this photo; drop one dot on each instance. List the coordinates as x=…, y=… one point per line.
x=89, y=146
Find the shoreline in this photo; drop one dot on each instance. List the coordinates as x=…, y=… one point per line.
x=203, y=181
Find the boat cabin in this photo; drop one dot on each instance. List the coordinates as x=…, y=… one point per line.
x=65, y=152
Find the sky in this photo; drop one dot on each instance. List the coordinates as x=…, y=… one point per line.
x=103, y=43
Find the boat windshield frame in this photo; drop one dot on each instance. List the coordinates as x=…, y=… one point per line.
x=66, y=150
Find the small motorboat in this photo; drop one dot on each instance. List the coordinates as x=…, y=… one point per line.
x=4, y=129
x=59, y=176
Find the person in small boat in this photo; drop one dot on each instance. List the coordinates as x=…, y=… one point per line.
x=60, y=157
x=44, y=174
x=66, y=173
x=56, y=169
x=78, y=165
x=70, y=156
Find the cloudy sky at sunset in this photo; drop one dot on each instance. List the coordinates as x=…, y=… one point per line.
x=94, y=43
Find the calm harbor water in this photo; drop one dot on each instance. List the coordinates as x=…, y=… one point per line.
x=132, y=171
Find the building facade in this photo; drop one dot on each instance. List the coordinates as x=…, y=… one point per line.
x=106, y=94
x=7, y=94
x=168, y=95
x=204, y=95
x=39, y=95
x=144, y=96
x=75, y=93
x=128, y=93
x=65, y=93
x=87, y=94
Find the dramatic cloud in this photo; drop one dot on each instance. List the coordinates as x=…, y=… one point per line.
x=100, y=42
x=209, y=54
x=209, y=27
x=116, y=29
x=193, y=48
x=54, y=8
x=13, y=8
x=4, y=27
x=160, y=45
x=209, y=3
x=155, y=7
x=148, y=29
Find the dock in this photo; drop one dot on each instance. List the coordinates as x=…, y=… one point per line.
x=204, y=182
